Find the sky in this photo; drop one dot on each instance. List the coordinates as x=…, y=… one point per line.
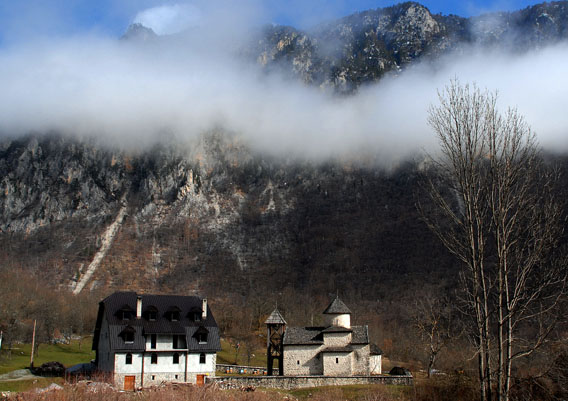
x=22, y=20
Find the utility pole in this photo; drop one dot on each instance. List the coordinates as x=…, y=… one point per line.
x=33, y=347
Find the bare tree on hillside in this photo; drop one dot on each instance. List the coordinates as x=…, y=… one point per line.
x=497, y=212
x=433, y=319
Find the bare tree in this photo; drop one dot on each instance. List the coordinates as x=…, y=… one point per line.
x=433, y=318
x=496, y=211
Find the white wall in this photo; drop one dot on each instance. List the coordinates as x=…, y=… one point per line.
x=375, y=364
x=163, y=342
x=122, y=368
x=209, y=366
x=343, y=320
x=165, y=363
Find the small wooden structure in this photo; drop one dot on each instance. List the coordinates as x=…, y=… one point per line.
x=275, y=349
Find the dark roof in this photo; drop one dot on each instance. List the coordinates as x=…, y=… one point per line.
x=314, y=335
x=337, y=307
x=303, y=336
x=162, y=304
x=336, y=329
x=360, y=335
x=275, y=318
x=375, y=350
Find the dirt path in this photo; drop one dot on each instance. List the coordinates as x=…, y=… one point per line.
x=20, y=374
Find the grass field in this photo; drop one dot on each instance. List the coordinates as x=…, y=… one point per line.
x=19, y=358
x=68, y=354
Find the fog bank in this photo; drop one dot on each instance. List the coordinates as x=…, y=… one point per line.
x=132, y=93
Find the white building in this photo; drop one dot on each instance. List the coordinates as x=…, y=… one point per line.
x=143, y=340
x=336, y=349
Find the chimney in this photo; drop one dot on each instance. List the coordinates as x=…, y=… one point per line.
x=138, y=307
x=204, y=309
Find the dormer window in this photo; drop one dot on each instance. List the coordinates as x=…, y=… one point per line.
x=125, y=313
x=201, y=335
x=152, y=313
x=128, y=334
x=194, y=314
x=174, y=314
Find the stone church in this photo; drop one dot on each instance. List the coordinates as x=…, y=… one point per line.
x=336, y=349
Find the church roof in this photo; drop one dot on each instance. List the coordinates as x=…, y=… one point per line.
x=337, y=329
x=375, y=350
x=314, y=335
x=275, y=318
x=337, y=307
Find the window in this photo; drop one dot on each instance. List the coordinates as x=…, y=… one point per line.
x=176, y=359
x=153, y=338
x=176, y=377
x=298, y=362
x=153, y=377
x=129, y=337
x=201, y=335
x=202, y=338
x=336, y=360
x=202, y=358
x=152, y=315
x=178, y=342
x=128, y=359
x=154, y=359
x=125, y=315
x=175, y=316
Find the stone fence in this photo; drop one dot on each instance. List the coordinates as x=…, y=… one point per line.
x=244, y=370
x=293, y=382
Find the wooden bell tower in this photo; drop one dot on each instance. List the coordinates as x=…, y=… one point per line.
x=274, y=341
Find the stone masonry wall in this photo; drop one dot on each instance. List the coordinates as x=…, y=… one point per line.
x=302, y=360
x=337, y=364
x=360, y=359
x=293, y=382
x=336, y=339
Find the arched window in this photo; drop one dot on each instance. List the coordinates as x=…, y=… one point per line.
x=176, y=358
x=202, y=358
x=154, y=358
x=128, y=359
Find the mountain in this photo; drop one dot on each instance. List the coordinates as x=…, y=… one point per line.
x=365, y=46
x=215, y=217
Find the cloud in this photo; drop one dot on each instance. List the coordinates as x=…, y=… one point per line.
x=132, y=93
x=169, y=19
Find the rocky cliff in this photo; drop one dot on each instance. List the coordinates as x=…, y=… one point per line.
x=362, y=47
x=211, y=214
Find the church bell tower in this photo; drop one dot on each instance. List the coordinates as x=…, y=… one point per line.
x=276, y=326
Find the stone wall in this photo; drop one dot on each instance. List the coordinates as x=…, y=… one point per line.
x=302, y=360
x=336, y=364
x=246, y=370
x=293, y=382
x=336, y=339
x=360, y=360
